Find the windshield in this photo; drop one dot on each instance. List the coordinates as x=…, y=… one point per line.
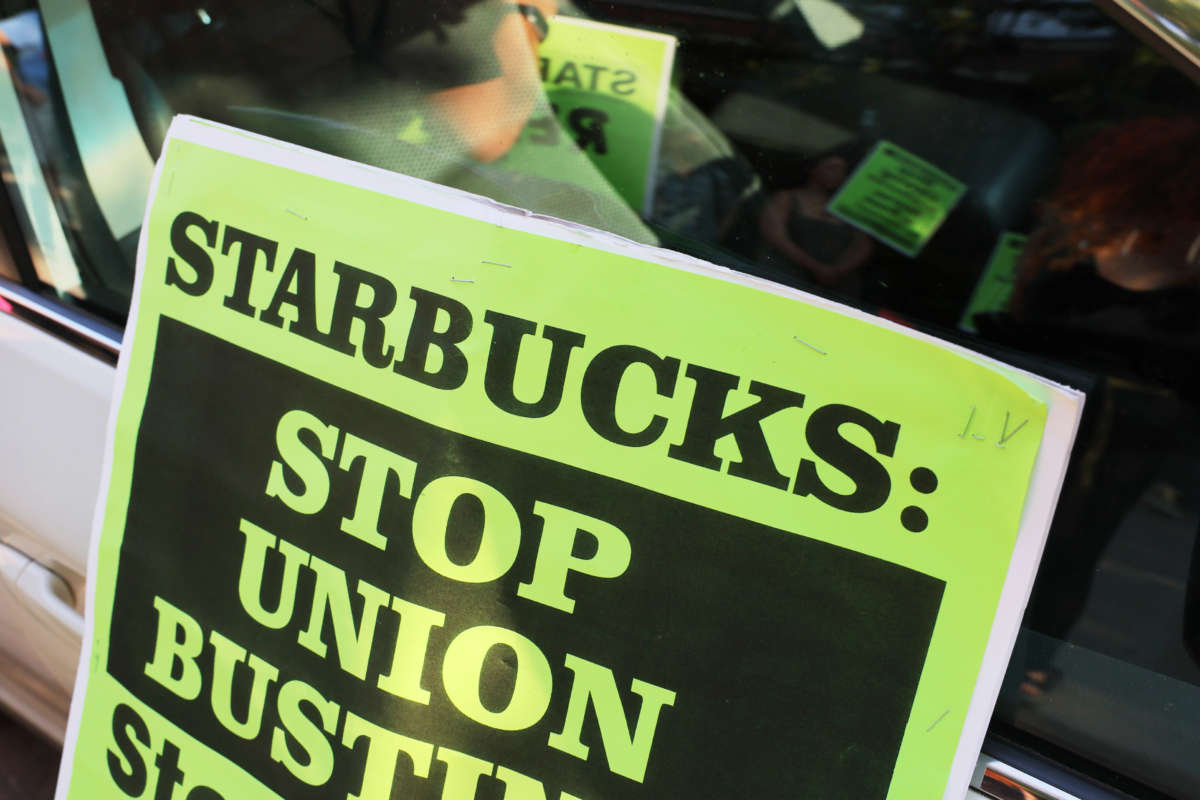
x=1021, y=176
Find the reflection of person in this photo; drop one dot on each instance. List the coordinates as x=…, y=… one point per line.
x=435, y=89
x=797, y=227
x=466, y=70
x=1111, y=276
x=1110, y=280
x=1128, y=204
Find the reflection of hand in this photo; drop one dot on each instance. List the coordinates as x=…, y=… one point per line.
x=489, y=116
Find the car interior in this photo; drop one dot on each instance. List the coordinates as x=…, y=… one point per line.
x=1073, y=125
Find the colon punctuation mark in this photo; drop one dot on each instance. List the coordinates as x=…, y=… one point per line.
x=924, y=481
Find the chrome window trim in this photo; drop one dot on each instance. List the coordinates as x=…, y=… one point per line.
x=1174, y=41
x=103, y=335
x=1002, y=782
x=1004, y=768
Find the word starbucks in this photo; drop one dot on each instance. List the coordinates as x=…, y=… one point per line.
x=211, y=255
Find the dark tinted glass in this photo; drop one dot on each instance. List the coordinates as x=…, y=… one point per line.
x=1040, y=167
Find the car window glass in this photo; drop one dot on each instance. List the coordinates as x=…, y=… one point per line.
x=70, y=249
x=1016, y=175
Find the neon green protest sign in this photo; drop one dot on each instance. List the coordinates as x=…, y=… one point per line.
x=607, y=87
x=898, y=198
x=412, y=495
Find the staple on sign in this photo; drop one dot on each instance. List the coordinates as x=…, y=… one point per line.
x=1005, y=435
x=937, y=721
x=461, y=280
x=812, y=346
x=496, y=263
x=296, y=214
x=967, y=427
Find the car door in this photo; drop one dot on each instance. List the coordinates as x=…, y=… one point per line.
x=1071, y=253
x=54, y=408
x=57, y=364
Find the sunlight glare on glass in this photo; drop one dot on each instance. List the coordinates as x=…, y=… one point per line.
x=833, y=25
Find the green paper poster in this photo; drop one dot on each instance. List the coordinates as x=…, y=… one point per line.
x=995, y=287
x=414, y=495
x=607, y=89
x=898, y=198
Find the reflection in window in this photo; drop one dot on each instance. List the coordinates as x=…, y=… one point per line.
x=1070, y=250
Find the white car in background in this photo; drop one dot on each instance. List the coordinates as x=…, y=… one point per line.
x=1103, y=697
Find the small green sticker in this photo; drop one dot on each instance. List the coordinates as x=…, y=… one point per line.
x=898, y=198
x=995, y=287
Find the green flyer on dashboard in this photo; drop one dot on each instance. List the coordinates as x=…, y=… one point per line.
x=898, y=198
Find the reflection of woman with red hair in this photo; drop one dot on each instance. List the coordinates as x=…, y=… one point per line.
x=1111, y=279
x=1128, y=203
x=1111, y=276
